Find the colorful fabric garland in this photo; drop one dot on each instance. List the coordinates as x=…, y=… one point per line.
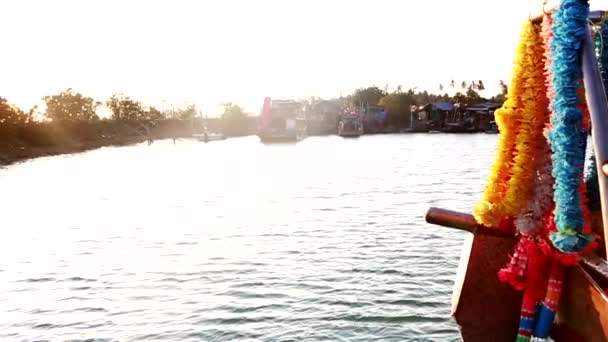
x=536, y=183
x=567, y=137
x=533, y=118
x=491, y=210
x=530, y=219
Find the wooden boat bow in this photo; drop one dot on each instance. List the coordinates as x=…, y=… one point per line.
x=488, y=310
x=466, y=222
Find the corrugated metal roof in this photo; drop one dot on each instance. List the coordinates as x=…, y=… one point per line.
x=483, y=106
x=443, y=106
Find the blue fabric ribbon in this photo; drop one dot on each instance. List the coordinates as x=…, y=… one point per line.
x=544, y=322
x=567, y=138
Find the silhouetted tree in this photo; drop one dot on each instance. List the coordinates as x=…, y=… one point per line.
x=153, y=114
x=369, y=95
x=503, y=87
x=188, y=113
x=11, y=115
x=397, y=107
x=69, y=106
x=459, y=98
x=125, y=108
x=234, y=120
x=503, y=93
x=473, y=97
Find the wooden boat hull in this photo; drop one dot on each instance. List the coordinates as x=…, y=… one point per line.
x=458, y=128
x=350, y=134
x=484, y=308
x=349, y=131
x=209, y=138
x=415, y=130
x=487, y=310
x=583, y=307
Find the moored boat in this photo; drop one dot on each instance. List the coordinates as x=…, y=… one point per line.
x=350, y=125
x=207, y=136
x=458, y=127
x=492, y=129
x=281, y=121
x=531, y=270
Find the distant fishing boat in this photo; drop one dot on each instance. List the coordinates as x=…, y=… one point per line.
x=491, y=130
x=461, y=126
x=350, y=125
x=207, y=136
x=281, y=121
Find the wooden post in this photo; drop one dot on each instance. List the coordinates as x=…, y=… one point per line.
x=598, y=110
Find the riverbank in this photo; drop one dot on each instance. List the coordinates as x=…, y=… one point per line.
x=17, y=152
x=39, y=139
x=36, y=140
x=20, y=142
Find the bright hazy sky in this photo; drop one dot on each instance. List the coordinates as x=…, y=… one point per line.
x=209, y=52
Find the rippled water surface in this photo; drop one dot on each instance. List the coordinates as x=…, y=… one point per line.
x=233, y=240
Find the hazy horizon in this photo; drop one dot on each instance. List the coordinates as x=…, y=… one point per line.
x=177, y=52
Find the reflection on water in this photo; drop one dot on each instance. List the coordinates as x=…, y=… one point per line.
x=234, y=240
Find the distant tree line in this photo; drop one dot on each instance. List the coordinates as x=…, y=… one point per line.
x=72, y=106
x=397, y=104
x=71, y=123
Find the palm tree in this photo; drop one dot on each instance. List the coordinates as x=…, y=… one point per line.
x=503, y=87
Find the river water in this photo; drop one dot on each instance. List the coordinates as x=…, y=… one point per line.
x=234, y=240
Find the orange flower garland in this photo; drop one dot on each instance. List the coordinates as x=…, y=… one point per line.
x=519, y=123
x=529, y=137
